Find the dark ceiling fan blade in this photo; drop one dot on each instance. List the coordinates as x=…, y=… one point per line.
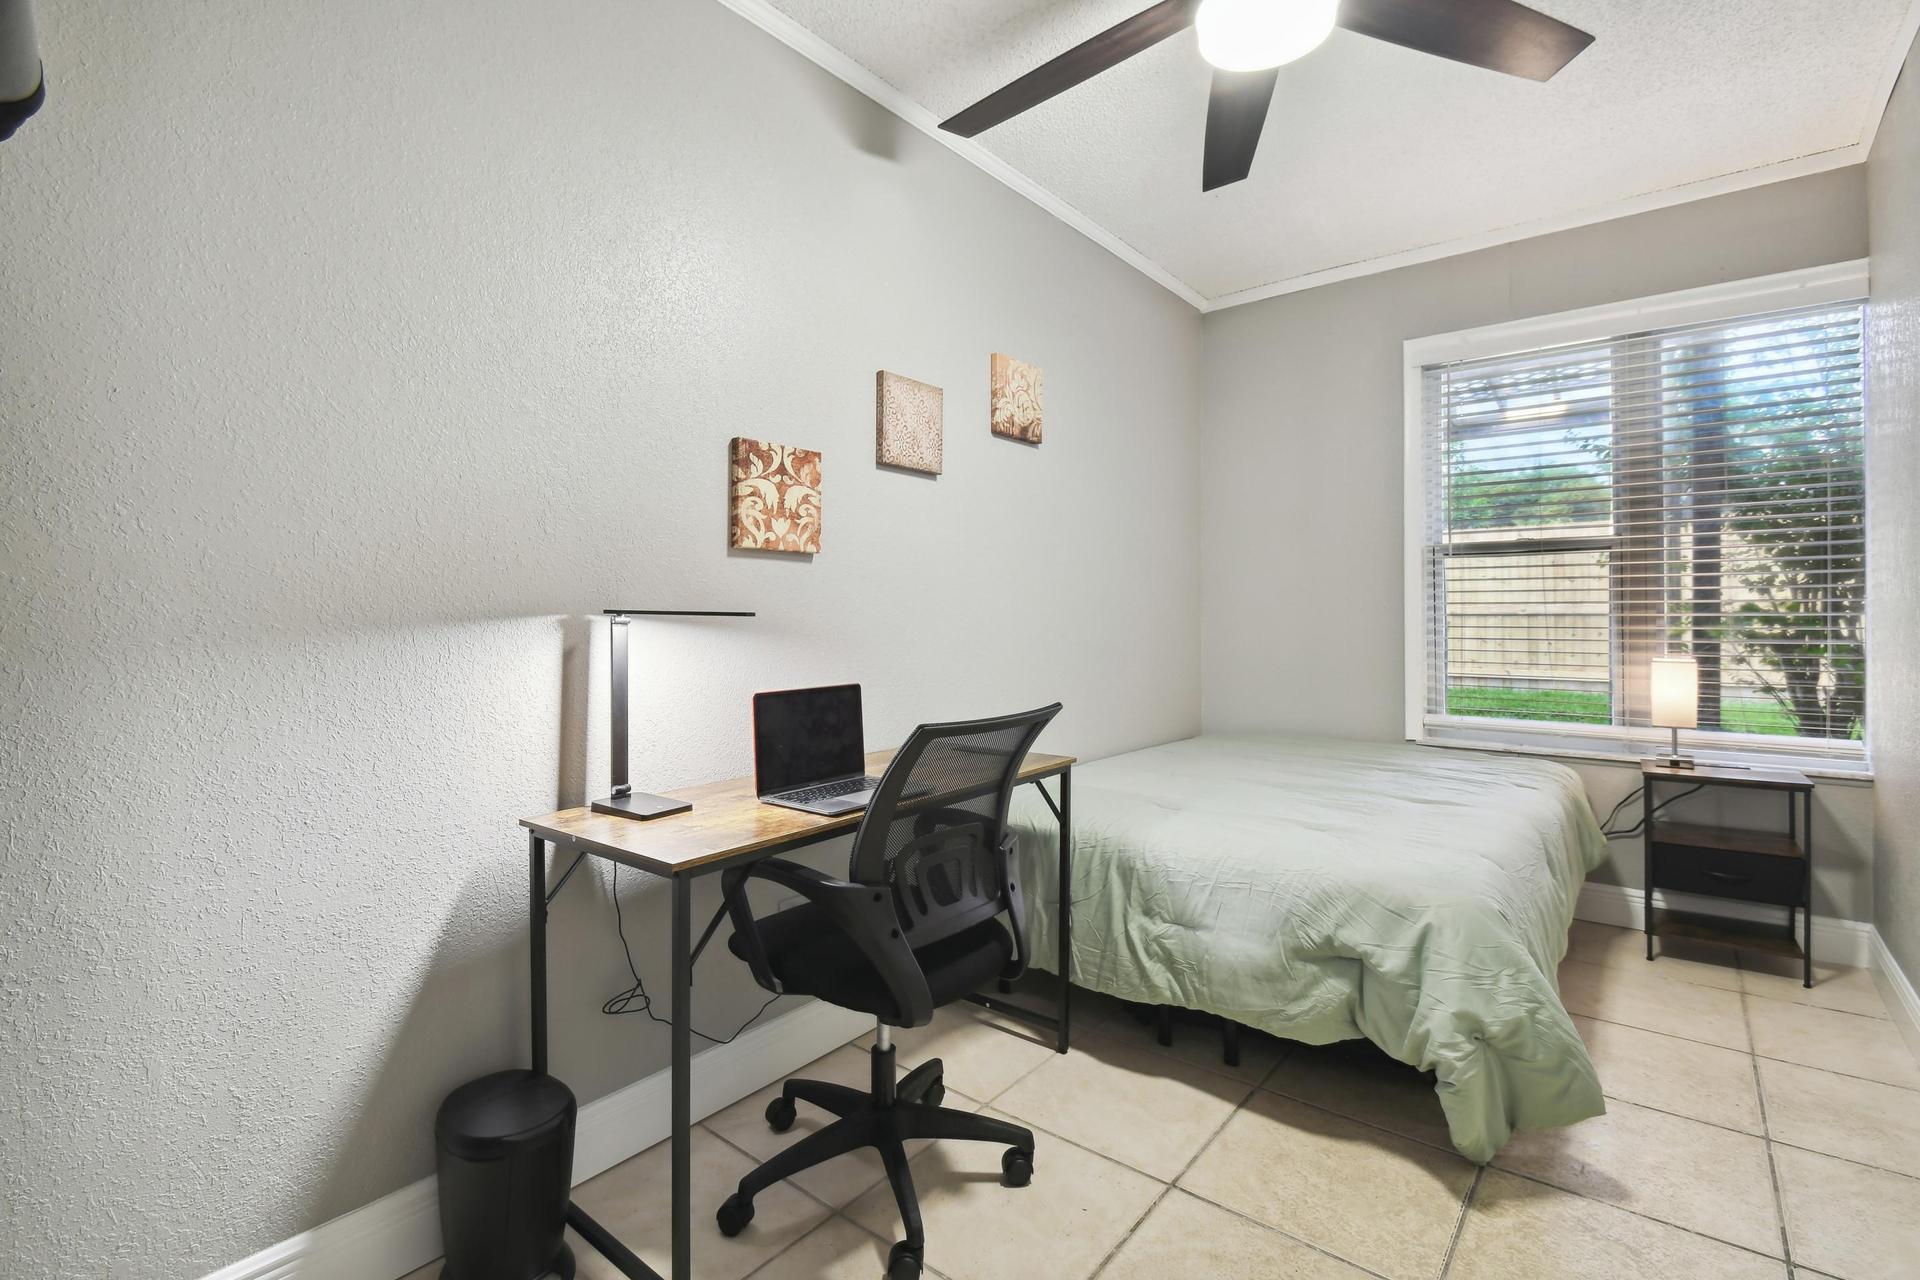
x=1085, y=60
x=1236, y=113
x=1499, y=35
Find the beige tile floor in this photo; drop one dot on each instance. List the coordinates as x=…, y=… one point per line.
x=1754, y=1129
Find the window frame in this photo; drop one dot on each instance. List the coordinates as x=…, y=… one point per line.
x=1836, y=283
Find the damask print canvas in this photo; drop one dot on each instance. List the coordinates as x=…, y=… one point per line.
x=1016, y=399
x=909, y=423
x=774, y=500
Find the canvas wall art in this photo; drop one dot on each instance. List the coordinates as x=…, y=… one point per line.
x=774, y=502
x=909, y=423
x=1016, y=399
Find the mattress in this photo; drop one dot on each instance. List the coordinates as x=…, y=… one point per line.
x=1326, y=890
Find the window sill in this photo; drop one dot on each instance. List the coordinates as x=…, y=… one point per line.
x=1827, y=773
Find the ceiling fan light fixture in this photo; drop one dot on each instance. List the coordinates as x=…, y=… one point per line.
x=1253, y=35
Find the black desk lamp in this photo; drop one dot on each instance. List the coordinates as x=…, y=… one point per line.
x=625, y=802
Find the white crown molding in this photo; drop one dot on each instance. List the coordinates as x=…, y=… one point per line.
x=400, y=1232
x=821, y=54
x=1883, y=96
x=1726, y=184
x=1706, y=189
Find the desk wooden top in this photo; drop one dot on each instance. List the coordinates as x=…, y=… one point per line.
x=727, y=819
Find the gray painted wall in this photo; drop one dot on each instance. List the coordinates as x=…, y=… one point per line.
x=1301, y=470
x=1893, y=187
x=355, y=354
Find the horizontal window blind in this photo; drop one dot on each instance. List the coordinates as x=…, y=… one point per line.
x=1687, y=491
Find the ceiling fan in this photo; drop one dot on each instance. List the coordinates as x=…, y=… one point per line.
x=1247, y=41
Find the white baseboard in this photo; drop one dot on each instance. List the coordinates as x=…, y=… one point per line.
x=401, y=1232
x=1847, y=942
x=1897, y=989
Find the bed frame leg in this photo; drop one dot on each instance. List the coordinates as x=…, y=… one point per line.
x=1163, y=1023
x=1230, y=1042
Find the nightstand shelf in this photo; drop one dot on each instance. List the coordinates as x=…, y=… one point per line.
x=1683, y=835
x=1673, y=924
x=1773, y=868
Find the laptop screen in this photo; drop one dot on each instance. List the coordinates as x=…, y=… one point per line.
x=803, y=736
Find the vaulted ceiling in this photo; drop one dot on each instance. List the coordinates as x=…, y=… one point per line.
x=1374, y=155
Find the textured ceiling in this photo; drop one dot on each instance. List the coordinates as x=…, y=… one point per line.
x=1373, y=152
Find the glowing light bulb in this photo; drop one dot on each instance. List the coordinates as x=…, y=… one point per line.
x=1252, y=35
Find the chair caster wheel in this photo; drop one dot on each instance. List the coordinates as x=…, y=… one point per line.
x=903, y=1263
x=936, y=1095
x=781, y=1114
x=734, y=1215
x=1016, y=1168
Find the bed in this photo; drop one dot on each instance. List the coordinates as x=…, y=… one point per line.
x=1325, y=890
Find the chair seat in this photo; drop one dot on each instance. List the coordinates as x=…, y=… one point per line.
x=813, y=956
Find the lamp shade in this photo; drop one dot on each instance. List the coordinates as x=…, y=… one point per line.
x=1675, y=684
x=19, y=52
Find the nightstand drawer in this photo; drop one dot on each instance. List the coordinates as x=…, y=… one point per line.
x=1756, y=877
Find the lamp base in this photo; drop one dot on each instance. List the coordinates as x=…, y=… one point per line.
x=641, y=805
x=1669, y=760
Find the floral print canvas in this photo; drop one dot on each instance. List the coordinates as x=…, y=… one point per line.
x=1016, y=399
x=775, y=497
x=909, y=423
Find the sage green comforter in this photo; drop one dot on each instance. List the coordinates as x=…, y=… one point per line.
x=1326, y=890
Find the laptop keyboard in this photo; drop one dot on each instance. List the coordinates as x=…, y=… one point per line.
x=828, y=791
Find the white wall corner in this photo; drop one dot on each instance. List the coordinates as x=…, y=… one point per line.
x=400, y=1232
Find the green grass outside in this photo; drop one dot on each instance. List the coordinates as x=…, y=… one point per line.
x=1580, y=706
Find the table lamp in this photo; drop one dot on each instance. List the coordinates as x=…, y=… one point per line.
x=1675, y=688
x=625, y=802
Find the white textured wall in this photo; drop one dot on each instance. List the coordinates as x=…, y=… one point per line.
x=1301, y=464
x=353, y=354
x=1893, y=494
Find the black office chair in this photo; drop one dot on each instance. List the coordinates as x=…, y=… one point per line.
x=915, y=925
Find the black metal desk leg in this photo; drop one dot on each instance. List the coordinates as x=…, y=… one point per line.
x=1806, y=949
x=1066, y=908
x=537, y=946
x=1646, y=842
x=682, y=1078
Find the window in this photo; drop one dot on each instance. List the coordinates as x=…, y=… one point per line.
x=1681, y=477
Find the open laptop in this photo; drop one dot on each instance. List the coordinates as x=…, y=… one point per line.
x=809, y=750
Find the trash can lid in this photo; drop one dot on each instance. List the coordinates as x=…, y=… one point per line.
x=484, y=1117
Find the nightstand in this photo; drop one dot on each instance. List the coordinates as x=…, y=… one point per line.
x=1769, y=867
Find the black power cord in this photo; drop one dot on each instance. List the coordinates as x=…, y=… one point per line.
x=635, y=998
x=1639, y=828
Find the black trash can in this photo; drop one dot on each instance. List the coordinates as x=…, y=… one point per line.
x=504, y=1151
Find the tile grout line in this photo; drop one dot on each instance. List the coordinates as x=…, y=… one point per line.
x=1750, y=1052
x=1644, y=1217
x=1741, y=989
x=1766, y=1129
x=1858, y=1164
x=1460, y=1222
x=1516, y=1173
x=1289, y=1048
x=1166, y=1188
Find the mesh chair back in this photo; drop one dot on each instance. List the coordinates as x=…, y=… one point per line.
x=933, y=831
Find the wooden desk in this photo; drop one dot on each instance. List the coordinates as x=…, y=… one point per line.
x=726, y=826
